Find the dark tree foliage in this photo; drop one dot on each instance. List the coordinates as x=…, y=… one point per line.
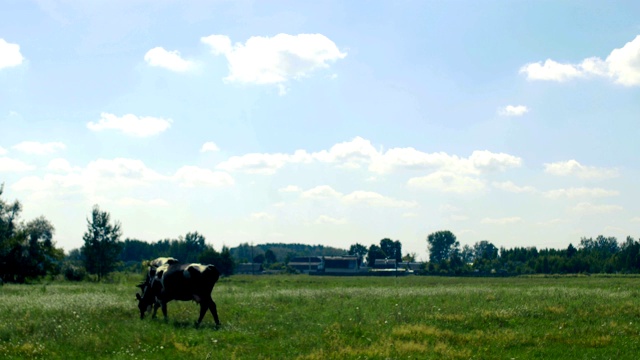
x=358, y=250
x=375, y=252
x=270, y=257
x=222, y=260
x=441, y=244
x=392, y=249
x=102, y=245
x=27, y=251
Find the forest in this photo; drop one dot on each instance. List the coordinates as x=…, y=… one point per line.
x=28, y=252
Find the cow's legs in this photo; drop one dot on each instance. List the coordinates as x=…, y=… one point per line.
x=214, y=310
x=164, y=309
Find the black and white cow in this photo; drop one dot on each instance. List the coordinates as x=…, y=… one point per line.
x=181, y=282
x=152, y=267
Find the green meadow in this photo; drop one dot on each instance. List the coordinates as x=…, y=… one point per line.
x=308, y=317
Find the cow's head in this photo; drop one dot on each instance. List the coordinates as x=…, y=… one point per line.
x=145, y=301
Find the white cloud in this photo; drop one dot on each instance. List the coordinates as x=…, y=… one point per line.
x=262, y=216
x=290, y=188
x=12, y=165
x=574, y=168
x=374, y=199
x=129, y=201
x=192, y=176
x=325, y=219
x=486, y=161
x=513, y=110
x=321, y=192
x=588, y=208
x=501, y=221
x=267, y=164
x=635, y=219
x=2, y=150
x=274, y=60
x=511, y=187
x=131, y=124
x=447, y=182
x=37, y=148
x=551, y=70
x=9, y=54
x=622, y=66
x=580, y=192
x=209, y=146
x=60, y=165
x=170, y=60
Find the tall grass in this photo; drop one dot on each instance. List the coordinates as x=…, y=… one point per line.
x=303, y=317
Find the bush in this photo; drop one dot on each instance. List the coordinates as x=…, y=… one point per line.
x=74, y=273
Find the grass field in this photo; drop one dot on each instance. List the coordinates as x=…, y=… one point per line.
x=306, y=317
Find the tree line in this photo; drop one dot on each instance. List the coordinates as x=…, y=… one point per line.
x=27, y=251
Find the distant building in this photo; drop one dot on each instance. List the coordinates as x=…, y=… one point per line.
x=339, y=264
x=249, y=268
x=385, y=264
x=305, y=264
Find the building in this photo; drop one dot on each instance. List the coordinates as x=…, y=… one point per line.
x=339, y=264
x=305, y=264
x=248, y=268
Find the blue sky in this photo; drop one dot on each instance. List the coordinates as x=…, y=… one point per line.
x=324, y=122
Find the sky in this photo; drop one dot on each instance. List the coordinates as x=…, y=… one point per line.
x=324, y=122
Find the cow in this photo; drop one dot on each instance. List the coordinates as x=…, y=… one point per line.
x=181, y=282
x=153, y=266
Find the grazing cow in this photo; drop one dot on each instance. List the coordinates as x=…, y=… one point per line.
x=153, y=266
x=181, y=282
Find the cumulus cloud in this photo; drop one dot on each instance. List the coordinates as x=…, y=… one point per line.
x=192, y=176
x=325, y=219
x=131, y=124
x=60, y=165
x=447, y=182
x=509, y=186
x=37, y=148
x=274, y=60
x=2, y=150
x=290, y=188
x=513, y=110
x=501, y=221
x=321, y=192
x=580, y=192
x=209, y=146
x=574, y=168
x=359, y=152
x=170, y=60
x=12, y=165
x=9, y=54
x=622, y=66
x=369, y=198
x=262, y=216
x=586, y=208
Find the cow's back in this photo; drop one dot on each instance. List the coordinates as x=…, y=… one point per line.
x=182, y=281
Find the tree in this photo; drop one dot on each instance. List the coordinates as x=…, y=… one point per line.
x=358, y=250
x=270, y=257
x=440, y=245
x=102, y=243
x=375, y=252
x=484, y=250
x=393, y=249
x=222, y=260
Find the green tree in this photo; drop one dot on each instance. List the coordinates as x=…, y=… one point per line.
x=102, y=243
x=393, y=249
x=358, y=250
x=222, y=260
x=270, y=257
x=375, y=252
x=440, y=245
